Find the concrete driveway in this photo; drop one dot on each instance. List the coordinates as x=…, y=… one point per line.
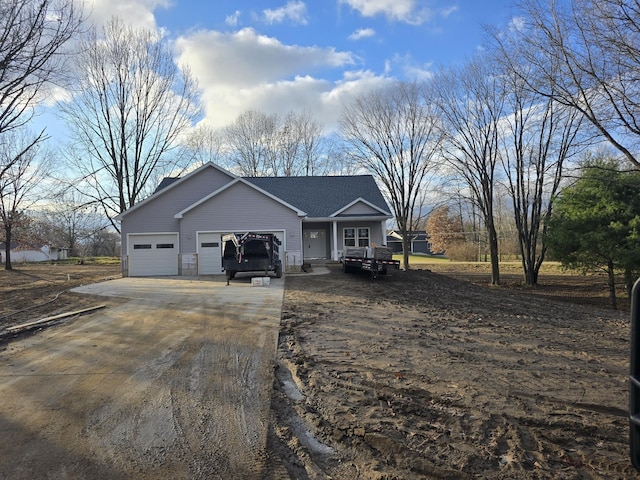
x=171, y=380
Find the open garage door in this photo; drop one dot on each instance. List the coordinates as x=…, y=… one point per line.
x=210, y=250
x=209, y=254
x=153, y=254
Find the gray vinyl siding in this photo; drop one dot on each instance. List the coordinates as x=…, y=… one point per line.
x=240, y=208
x=359, y=208
x=157, y=214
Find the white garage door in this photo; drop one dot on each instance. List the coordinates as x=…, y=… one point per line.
x=153, y=254
x=209, y=254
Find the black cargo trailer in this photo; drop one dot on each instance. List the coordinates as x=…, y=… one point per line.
x=251, y=252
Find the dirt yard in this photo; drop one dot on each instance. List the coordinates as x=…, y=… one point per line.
x=32, y=291
x=421, y=375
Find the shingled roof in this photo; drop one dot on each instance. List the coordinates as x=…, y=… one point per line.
x=321, y=197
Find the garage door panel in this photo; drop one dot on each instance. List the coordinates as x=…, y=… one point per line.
x=209, y=254
x=153, y=254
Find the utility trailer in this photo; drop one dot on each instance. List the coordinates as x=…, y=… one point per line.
x=251, y=252
x=376, y=260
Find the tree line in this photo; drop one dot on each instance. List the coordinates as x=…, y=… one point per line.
x=511, y=123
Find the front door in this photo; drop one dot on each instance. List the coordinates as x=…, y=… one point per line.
x=315, y=243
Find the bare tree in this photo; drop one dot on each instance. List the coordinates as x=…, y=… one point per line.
x=33, y=34
x=260, y=144
x=286, y=157
x=314, y=148
x=596, y=46
x=204, y=145
x=101, y=242
x=392, y=132
x=69, y=221
x=249, y=140
x=131, y=104
x=22, y=170
x=471, y=104
x=540, y=135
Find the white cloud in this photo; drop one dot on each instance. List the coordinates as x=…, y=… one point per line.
x=445, y=12
x=412, y=70
x=138, y=13
x=362, y=33
x=517, y=24
x=233, y=19
x=295, y=11
x=353, y=84
x=246, y=57
x=413, y=12
x=397, y=10
x=245, y=70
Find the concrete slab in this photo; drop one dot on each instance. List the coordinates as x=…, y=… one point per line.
x=170, y=289
x=172, y=379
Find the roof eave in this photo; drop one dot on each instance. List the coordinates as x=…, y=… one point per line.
x=356, y=218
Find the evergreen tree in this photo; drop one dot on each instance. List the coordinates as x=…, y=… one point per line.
x=596, y=222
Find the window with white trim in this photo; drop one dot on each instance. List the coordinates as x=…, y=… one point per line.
x=356, y=237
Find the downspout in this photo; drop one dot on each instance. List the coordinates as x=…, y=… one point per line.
x=334, y=249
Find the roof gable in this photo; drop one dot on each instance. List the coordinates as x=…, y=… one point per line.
x=168, y=184
x=231, y=184
x=359, y=206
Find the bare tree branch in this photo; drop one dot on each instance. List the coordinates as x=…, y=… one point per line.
x=596, y=46
x=33, y=34
x=130, y=107
x=23, y=166
x=393, y=133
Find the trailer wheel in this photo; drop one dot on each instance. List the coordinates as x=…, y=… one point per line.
x=279, y=270
x=346, y=268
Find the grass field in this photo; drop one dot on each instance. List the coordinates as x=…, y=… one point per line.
x=441, y=264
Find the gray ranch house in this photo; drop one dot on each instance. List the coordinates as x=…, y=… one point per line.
x=178, y=229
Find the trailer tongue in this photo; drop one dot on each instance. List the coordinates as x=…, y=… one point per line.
x=251, y=252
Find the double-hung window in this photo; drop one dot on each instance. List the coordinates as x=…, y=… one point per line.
x=356, y=237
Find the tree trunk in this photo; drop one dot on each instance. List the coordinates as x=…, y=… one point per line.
x=612, y=285
x=405, y=250
x=531, y=266
x=7, y=250
x=493, y=251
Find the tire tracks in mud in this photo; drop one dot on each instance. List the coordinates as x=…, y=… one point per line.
x=435, y=378
x=218, y=408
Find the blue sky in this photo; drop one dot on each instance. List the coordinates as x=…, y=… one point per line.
x=282, y=55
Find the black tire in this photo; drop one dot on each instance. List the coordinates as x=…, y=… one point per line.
x=279, y=270
x=346, y=268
